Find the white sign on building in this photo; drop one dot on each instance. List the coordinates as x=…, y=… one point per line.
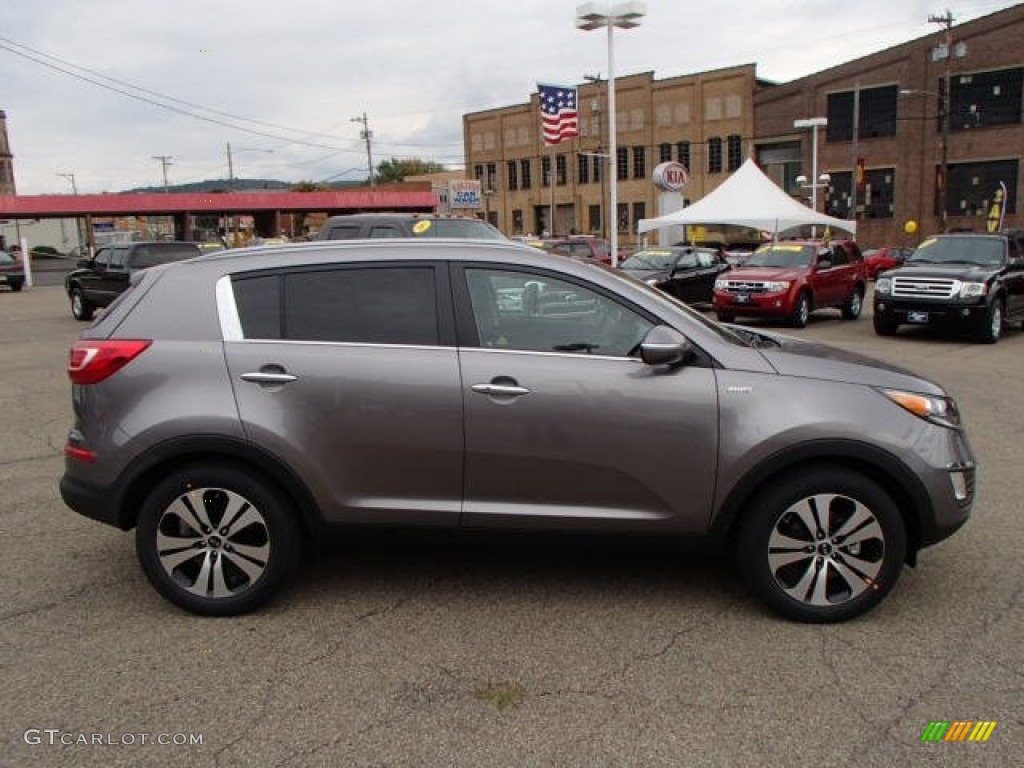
x=464, y=193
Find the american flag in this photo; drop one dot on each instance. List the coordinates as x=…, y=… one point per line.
x=558, y=112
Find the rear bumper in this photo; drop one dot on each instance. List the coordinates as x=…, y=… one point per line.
x=94, y=502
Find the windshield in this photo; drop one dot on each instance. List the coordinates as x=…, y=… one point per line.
x=781, y=255
x=651, y=259
x=5, y=258
x=983, y=251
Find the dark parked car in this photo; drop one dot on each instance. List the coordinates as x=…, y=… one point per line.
x=577, y=247
x=686, y=272
x=362, y=226
x=463, y=384
x=966, y=280
x=100, y=280
x=12, y=272
x=878, y=260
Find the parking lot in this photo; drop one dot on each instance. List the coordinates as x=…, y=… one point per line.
x=449, y=651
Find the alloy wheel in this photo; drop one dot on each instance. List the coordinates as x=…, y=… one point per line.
x=826, y=549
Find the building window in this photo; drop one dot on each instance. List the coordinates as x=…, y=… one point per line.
x=623, y=217
x=512, y=171
x=639, y=212
x=598, y=168
x=561, y=170
x=972, y=187
x=735, y=152
x=639, y=163
x=986, y=98
x=622, y=163
x=875, y=200
x=877, y=113
x=582, y=169
x=517, y=221
x=683, y=153
x=594, y=218
x=715, y=154
x=545, y=167
x=524, y=166
x=478, y=172
x=664, y=153
x=492, y=176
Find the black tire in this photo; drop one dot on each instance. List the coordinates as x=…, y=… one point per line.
x=854, y=306
x=16, y=286
x=884, y=326
x=726, y=317
x=80, y=307
x=186, y=513
x=802, y=311
x=990, y=329
x=781, y=558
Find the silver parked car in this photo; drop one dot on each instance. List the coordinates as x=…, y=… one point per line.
x=231, y=408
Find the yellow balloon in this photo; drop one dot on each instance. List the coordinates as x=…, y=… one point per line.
x=910, y=227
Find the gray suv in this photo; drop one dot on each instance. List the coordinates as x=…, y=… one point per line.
x=231, y=409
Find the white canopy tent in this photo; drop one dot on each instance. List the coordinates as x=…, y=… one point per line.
x=748, y=198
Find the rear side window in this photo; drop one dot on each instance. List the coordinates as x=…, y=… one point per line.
x=345, y=232
x=371, y=305
x=145, y=256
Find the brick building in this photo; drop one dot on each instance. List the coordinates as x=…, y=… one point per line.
x=712, y=121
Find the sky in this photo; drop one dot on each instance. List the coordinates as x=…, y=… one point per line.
x=282, y=81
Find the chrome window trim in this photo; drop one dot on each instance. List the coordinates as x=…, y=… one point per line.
x=571, y=355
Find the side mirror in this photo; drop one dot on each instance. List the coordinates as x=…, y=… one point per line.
x=665, y=346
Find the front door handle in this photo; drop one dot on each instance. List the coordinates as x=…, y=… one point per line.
x=500, y=390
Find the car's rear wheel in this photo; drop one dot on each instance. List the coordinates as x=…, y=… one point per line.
x=802, y=311
x=216, y=540
x=822, y=546
x=80, y=308
x=854, y=306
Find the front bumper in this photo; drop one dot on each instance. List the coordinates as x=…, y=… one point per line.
x=924, y=312
x=774, y=304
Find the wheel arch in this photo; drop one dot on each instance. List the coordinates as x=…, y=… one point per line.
x=880, y=466
x=143, y=474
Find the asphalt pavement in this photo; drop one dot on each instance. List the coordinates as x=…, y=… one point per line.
x=433, y=651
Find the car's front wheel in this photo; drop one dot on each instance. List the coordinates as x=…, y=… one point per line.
x=80, y=307
x=216, y=540
x=884, y=326
x=990, y=328
x=802, y=310
x=825, y=545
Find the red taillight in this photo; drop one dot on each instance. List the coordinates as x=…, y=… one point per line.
x=93, y=360
x=81, y=454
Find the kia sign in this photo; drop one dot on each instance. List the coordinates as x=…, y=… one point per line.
x=671, y=177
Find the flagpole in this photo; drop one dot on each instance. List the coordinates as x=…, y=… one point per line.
x=551, y=183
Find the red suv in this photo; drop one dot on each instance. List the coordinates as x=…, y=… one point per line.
x=791, y=279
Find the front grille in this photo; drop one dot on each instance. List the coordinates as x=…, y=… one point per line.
x=924, y=288
x=744, y=286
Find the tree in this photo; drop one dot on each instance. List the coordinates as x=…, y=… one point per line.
x=310, y=186
x=396, y=170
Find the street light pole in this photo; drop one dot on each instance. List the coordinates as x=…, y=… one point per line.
x=591, y=16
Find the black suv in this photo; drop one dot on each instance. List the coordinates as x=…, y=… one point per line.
x=101, y=279
x=970, y=280
x=361, y=226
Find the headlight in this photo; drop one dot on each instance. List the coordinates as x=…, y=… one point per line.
x=938, y=410
x=721, y=285
x=776, y=286
x=883, y=285
x=967, y=290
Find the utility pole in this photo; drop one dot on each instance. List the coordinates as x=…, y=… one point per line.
x=70, y=177
x=165, y=160
x=947, y=22
x=78, y=221
x=366, y=134
x=231, y=170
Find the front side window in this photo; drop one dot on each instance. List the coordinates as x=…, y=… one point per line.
x=534, y=312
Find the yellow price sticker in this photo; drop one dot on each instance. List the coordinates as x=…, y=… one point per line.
x=421, y=227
